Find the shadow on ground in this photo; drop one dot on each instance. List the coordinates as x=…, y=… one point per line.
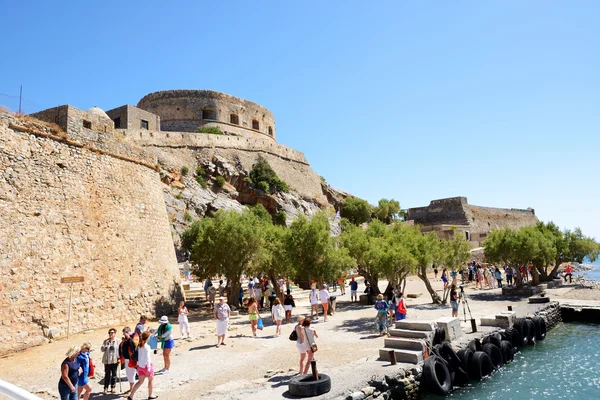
x=362, y=325
x=490, y=296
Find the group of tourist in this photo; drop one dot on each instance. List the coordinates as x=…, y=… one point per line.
x=132, y=352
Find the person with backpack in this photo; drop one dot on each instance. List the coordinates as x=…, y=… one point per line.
x=277, y=314
x=145, y=368
x=288, y=305
x=401, y=308
x=126, y=351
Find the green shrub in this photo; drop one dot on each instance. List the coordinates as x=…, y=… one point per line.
x=279, y=218
x=200, y=172
x=179, y=196
x=247, y=179
x=200, y=179
x=214, y=130
x=184, y=170
x=356, y=210
x=264, y=186
x=219, y=182
x=262, y=173
x=187, y=217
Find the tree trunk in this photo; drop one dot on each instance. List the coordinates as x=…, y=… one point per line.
x=422, y=274
x=278, y=290
x=372, y=279
x=535, y=276
x=234, y=293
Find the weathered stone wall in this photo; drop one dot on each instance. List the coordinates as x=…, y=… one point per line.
x=187, y=110
x=177, y=149
x=449, y=211
x=131, y=118
x=71, y=118
x=68, y=210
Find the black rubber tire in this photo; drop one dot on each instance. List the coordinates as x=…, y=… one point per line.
x=436, y=376
x=449, y=354
x=495, y=354
x=531, y=330
x=523, y=328
x=304, y=386
x=515, y=338
x=439, y=336
x=466, y=355
x=540, y=328
x=507, y=351
x=493, y=340
x=474, y=345
x=481, y=365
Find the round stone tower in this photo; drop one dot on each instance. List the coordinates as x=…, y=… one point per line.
x=188, y=110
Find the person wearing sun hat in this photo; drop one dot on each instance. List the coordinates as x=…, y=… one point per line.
x=164, y=333
x=222, y=313
x=69, y=372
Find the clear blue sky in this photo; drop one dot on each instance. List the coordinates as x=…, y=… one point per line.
x=498, y=101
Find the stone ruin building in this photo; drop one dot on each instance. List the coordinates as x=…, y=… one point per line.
x=171, y=111
x=454, y=215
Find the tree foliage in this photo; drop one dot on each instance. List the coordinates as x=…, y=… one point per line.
x=262, y=172
x=387, y=210
x=356, y=210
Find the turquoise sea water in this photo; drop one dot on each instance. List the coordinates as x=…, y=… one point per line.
x=564, y=366
x=593, y=274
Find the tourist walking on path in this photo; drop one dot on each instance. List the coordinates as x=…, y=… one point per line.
x=498, y=277
x=313, y=298
x=126, y=351
x=222, y=313
x=241, y=296
x=324, y=297
x=212, y=292
x=569, y=273
x=381, y=319
x=164, y=333
x=342, y=285
x=454, y=301
x=221, y=288
x=207, y=284
x=182, y=318
x=435, y=271
x=277, y=314
x=253, y=315
x=508, y=271
x=445, y=278
x=145, y=368
x=110, y=359
x=83, y=382
x=258, y=294
x=300, y=343
x=309, y=335
x=401, y=310
x=353, y=290
x=288, y=305
x=69, y=373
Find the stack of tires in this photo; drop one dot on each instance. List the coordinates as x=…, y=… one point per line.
x=445, y=369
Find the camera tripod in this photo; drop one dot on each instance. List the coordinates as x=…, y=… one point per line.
x=462, y=299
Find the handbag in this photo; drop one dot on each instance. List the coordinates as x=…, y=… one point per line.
x=92, y=369
x=260, y=324
x=294, y=335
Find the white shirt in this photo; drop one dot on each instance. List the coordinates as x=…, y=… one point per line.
x=324, y=295
x=314, y=297
x=144, y=356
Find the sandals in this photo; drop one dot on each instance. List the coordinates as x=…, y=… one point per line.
x=152, y=397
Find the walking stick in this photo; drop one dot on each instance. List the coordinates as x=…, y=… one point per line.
x=120, y=383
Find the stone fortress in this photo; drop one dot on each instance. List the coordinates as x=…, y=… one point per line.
x=453, y=215
x=88, y=194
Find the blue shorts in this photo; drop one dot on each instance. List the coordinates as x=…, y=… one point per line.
x=454, y=305
x=168, y=344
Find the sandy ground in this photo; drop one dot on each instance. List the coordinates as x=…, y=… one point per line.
x=257, y=368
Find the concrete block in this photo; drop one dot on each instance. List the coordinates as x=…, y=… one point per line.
x=402, y=356
x=364, y=299
x=404, y=344
x=489, y=320
x=415, y=325
x=452, y=327
x=407, y=333
x=506, y=319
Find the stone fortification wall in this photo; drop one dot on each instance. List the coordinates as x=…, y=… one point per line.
x=449, y=211
x=131, y=117
x=187, y=110
x=71, y=210
x=177, y=149
x=484, y=219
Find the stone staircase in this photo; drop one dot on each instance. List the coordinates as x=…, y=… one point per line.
x=194, y=295
x=407, y=341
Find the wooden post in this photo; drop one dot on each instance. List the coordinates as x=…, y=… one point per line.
x=313, y=367
x=69, y=319
x=509, y=308
x=392, y=354
x=473, y=325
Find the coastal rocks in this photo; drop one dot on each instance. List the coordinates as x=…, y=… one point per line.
x=403, y=384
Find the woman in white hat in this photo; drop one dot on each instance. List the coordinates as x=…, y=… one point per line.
x=164, y=333
x=69, y=372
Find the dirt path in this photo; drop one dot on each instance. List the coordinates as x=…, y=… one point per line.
x=249, y=367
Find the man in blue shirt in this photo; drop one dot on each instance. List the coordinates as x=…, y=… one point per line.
x=353, y=290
